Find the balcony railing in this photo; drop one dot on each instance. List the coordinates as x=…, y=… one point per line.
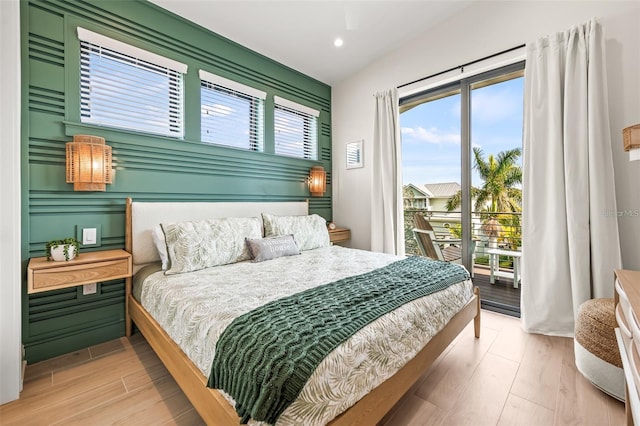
x=501, y=230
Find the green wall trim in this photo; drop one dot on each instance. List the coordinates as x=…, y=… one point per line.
x=60, y=345
x=147, y=167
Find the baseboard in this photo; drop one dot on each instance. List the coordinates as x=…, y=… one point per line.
x=52, y=348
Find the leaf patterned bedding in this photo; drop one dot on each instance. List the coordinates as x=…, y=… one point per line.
x=194, y=308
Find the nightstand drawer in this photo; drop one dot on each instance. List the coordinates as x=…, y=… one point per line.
x=339, y=234
x=87, y=268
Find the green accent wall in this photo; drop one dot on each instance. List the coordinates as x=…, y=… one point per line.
x=146, y=167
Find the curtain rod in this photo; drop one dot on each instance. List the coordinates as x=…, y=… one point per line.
x=461, y=67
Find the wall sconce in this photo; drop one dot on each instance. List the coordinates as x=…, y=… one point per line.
x=88, y=163
x=317, y=181
x=631, y=140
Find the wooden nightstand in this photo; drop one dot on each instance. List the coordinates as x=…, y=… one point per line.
x=90, y=267
x=627, y=308
x=339, y=235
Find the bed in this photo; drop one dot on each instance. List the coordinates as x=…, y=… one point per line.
x=188, y=366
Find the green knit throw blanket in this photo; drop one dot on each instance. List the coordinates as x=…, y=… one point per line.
x=264, y=357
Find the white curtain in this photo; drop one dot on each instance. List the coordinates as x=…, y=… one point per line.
x=387, y=227
x=570, y=244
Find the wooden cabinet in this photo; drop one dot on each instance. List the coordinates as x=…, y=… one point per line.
x=627, y=301
x=339, y=235
x=91, y=267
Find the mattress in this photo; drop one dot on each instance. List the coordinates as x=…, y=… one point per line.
x=194, y=308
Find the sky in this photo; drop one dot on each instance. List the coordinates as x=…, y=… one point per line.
x=431, y=132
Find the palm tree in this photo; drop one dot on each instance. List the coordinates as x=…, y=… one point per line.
x=500, y=175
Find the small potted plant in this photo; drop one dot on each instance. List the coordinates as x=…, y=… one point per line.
x=65, y=249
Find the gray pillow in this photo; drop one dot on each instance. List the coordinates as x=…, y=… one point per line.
x=268, y=248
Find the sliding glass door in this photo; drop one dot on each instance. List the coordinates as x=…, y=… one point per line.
x=462, y=146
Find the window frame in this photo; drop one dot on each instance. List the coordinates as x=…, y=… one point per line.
x=131, y=56
x=310, y=119
x=463, y=86
x=256, y=98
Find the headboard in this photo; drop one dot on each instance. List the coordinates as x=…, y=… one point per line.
x=142, y=217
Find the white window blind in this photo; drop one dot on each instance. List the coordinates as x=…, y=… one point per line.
x=296, y=129
x=232, y=114
x=129, y=88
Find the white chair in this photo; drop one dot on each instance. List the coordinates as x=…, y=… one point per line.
x=445, y=249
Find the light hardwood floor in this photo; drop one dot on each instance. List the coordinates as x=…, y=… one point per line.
x=507, y=377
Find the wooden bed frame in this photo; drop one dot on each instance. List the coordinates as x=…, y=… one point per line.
x=215, y=410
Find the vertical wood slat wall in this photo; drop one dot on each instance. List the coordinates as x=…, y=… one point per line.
x=146, y=167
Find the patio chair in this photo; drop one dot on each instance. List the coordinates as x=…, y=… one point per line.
x=446, y=249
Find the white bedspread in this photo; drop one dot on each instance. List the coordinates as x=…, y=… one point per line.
x=194, y=308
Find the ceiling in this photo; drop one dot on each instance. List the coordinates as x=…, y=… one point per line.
x=300, y=33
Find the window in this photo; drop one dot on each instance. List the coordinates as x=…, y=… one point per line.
x=129, y=88
x=296, y=129
x=232, y=114
x=462, y=142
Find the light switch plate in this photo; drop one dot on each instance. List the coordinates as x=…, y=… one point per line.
x=91, y=288
x=88, y=236
x=81, y=234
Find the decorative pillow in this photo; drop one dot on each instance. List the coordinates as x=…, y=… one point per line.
x=161, y=246
x=309, y=231
x=268, y=248
x=197, y=245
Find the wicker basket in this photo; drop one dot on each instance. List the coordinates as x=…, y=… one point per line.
x=631, y=137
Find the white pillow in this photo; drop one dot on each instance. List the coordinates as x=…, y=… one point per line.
x=197, y=245
x=161, y=246
x=310, y=232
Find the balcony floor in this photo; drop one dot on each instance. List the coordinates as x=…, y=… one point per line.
x=500, y=296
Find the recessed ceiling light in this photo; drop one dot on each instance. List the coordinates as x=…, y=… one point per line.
x=338, y=42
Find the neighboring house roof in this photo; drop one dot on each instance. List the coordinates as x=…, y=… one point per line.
x=436, y=190
x=421, y=189
x=442, y=190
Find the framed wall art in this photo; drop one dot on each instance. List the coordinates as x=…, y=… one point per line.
x=355, y=158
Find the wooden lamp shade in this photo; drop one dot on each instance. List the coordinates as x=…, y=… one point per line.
x=317, y=181
x=88, y=163
x=631, y=137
